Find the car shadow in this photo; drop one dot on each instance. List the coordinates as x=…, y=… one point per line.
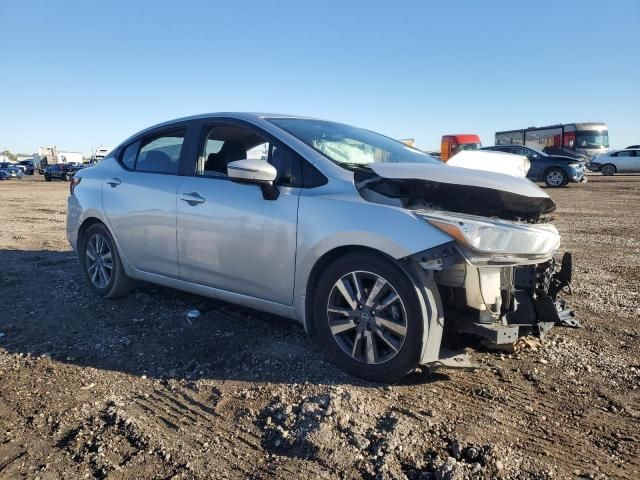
x=49, y=311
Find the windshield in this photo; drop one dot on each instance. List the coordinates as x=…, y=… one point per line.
x=469, y=146
x=351, y=146
x=592, y=139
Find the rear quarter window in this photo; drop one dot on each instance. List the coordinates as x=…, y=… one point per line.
x=130, y=154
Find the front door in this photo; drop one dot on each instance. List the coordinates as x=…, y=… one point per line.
x=229, y=236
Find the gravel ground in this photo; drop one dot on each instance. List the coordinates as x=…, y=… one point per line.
x=128, y=388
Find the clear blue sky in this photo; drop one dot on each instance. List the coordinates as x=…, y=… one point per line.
x=82, y=73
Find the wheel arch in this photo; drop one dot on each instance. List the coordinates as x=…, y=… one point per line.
x=615, y=167
x=84, y=226
x=555, y=167
x=322, y=263
x=94, y=218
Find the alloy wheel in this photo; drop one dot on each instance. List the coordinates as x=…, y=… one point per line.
x=367, y=317
x=608, y=170
x=555, y=178
x=99, y=260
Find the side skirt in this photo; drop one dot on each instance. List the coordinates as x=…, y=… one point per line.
x=218, y=294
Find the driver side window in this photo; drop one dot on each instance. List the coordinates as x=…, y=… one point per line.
x=224, y=144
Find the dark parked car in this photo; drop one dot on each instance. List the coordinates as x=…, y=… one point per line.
x=634, y=147
x=73, y=167
x=554, y=170
x=12, y=171
x=58, y=171
x=29, y=167
x=4, y=175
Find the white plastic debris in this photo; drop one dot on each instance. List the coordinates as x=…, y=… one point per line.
x=499, y=162
x=192, y=315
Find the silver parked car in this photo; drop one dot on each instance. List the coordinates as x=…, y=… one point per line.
x=617, y=161
x=372, y=245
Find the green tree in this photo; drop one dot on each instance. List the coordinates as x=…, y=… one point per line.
x=9, y=155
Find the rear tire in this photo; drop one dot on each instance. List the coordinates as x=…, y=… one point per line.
x=373, y=341
x=101, y=264
x=555, y=177
x=608, y=169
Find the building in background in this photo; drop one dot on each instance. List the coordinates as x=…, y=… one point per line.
x=47, y=156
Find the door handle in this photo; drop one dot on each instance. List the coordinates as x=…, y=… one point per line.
x=192, y=198
x=114, y=181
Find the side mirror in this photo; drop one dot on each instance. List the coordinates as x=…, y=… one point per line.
x=257, y=172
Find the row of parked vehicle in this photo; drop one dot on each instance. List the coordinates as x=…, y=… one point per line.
x=62, y=171
x=555, y=167
x=10, y=171
x=58, y=171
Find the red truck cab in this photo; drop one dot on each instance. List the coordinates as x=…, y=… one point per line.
x=452, y=144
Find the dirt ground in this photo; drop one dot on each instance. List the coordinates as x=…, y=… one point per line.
x=128, y=388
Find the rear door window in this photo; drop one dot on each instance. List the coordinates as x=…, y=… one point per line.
x=130, y=154
x=161, y=153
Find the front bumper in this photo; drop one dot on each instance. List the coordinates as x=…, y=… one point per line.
x=530, y=305
x=594, y=166
x=498, y=302
x=576, y=174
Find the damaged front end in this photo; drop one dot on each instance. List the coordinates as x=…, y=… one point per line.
x=503, y=303
x=497, y=278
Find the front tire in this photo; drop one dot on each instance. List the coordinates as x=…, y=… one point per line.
x=367, y=317
x=101, y=264
x=608, y=169
x=47, y=178
x=555, y=177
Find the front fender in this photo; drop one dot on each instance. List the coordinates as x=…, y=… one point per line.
x=330, y=222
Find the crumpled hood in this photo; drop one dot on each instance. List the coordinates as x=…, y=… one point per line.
x=459, y=176
x=456, y=189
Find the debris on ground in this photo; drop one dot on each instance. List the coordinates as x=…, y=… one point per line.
x=125, y=388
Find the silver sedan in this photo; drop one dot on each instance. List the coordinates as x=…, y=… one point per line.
x=372, y=245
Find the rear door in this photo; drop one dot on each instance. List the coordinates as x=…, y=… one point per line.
x=229, y=236
x=636, y=163
x=625, y=161
x=139, y=199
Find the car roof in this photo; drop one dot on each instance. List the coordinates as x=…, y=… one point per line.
x=236, y=115
x=252, y=117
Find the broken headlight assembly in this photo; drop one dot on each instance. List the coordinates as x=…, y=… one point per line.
x=488, y=237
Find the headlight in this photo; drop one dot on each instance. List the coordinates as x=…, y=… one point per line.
x=575, y=165
x=486, y=235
